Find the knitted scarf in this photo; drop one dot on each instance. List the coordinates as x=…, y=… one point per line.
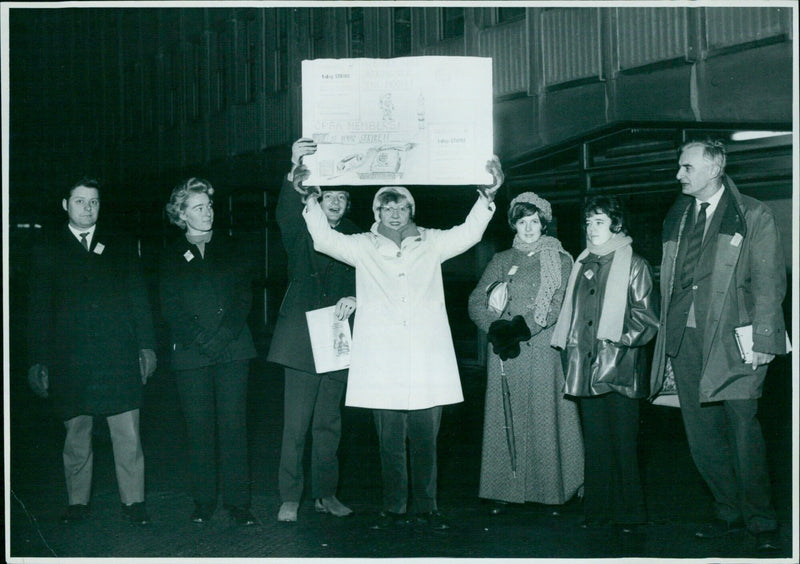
x=200, y=241
x=549, y=272
x=615, y=295
x=397, y=235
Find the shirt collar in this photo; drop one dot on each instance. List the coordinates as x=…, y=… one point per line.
x=712, y=202
x=77, y=232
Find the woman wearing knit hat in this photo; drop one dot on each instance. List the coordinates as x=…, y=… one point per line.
x=516, y=302
x=402, y=361
x=609, y=314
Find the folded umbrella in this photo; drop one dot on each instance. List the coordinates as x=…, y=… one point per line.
x=509, y=420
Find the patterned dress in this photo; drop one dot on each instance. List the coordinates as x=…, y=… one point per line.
x=547, y=431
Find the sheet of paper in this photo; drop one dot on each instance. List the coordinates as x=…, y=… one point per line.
x=408, y=120
x=330, y=340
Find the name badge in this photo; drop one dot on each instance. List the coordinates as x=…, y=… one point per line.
x=513, y=270
x=98, y=249
x=736, y=240
x=188, y=256
x=589, y=274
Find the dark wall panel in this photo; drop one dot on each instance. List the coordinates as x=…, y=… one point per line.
x=662, y=95
x=749, y=85
x=569, y=112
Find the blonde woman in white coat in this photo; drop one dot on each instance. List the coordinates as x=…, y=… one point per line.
x=402, y=362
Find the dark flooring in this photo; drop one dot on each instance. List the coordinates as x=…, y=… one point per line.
x=677, y=498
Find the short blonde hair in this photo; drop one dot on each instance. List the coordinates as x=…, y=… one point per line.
x=181, y=193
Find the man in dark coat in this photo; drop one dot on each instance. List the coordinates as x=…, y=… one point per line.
x=315, y=281
x=722, y=268
x=92, y=346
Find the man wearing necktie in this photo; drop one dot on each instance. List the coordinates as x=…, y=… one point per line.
x=91, y=342
x=722, y=267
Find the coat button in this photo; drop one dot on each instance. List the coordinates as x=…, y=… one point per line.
x=196, y=317
x=398, y=254
x=591, y=291
x=589, y=323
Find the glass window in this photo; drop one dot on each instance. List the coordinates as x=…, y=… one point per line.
x=319, y=20
x=510, y=14
x=356, y=28
x=452, y=22
x=401, y=31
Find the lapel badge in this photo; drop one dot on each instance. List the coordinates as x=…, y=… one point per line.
x=736, y=240
x=98, y=249
x=188, y=256
x=589, y=274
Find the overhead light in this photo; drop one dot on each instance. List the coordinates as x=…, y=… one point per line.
x=749, y=135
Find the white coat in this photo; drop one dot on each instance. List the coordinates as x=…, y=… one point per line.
x=402, y=355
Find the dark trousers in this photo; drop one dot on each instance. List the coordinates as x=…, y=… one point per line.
x=421, y=428
x=726, y=443
x=612, y=486
x=214, y=402
x=310, y=400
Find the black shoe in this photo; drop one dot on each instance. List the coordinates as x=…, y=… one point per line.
x=202, y=512
x=628, y=528
x=498, y=507
x=767, y=541
x=389, y=520
x=719, y=528
x=241, y=516
x=432, y=520
x=75, y=513
x=136, y=513
x=593, y=524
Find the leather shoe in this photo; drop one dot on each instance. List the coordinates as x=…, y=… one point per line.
x=241, y=516
x=433, y=520
x=333, y=506
x=767, y=541
x=389, y=520
x=288, y=511
x=719, y=528
x=202, y=512
x=75, y=513
x=498, y=507
x=136, y=513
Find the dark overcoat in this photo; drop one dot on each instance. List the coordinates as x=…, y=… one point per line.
x=740, y=280
x=315, y=281
x=89, y=315
x=203, y=293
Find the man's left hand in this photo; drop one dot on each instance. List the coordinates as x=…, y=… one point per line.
x=494, y=167
x=345, y=308
x=761, y=359
x=147, y=363
x=302, y=173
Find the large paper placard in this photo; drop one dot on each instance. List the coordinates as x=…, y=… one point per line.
x=330, y=340
x=409, y=120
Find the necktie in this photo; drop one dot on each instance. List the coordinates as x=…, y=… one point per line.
x=84, y=241
x=694, y=244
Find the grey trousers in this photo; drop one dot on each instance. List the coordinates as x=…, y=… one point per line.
x=421, y=428
x=310, y=400
x=726, y=443
x=128, y=457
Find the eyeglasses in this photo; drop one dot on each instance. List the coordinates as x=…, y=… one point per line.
x=399, y=210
